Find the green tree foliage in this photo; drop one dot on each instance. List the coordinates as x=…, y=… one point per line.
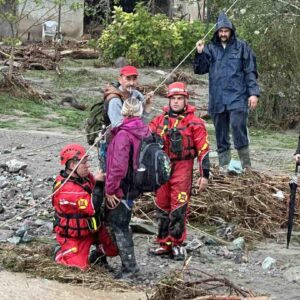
x=148, y=40
x=271, y=27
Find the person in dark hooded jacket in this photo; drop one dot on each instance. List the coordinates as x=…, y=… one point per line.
x=122, y=160
x=233, y=88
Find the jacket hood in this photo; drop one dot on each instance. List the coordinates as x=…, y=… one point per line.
x=135, y=126
x=223, y=21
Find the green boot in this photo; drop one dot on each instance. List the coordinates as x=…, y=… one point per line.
x=244, y=156
x=224, y=160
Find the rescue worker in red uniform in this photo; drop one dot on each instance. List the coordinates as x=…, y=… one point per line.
x=77, y=202
x=184, y=137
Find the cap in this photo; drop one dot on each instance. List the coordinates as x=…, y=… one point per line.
x=129, y=71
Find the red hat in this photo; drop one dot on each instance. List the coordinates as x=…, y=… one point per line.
x=71, y=151
x=129, y=71
x=177, y=88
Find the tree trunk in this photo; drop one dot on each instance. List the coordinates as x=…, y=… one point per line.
x=11, y=63
x=170, y=9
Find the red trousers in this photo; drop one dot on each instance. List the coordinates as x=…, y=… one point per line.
x=172, y=201
x=75, y=251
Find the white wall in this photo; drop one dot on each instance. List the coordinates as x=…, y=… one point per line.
x=188, y=7
x=71, y=21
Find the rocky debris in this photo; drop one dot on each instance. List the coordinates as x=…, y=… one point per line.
x=268, y=263
x=3, y=182
x=19, y=200
x=1, y=208
x=5, y=234
x=15, y=166
x=120, y=62
x=292, y=274
x=194, y=245
x=142, y=226
x=226, y=231
x=238, y=244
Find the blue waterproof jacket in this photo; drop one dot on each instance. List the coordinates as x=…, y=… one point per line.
x=232, y=71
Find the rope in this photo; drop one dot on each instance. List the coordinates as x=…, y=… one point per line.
x=49, y=145
x=52, y=194
x=102, y=135
x=185, y=58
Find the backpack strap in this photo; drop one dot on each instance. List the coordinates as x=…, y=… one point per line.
x=112, y=92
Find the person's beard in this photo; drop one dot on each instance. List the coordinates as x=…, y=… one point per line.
x=224, y=39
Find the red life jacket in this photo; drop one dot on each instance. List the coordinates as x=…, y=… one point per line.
x=190, y=127
x=73, y=206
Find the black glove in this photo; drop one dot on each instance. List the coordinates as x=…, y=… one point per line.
x=98, y=195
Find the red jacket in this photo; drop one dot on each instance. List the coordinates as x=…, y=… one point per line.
x=192, y=129
x=73, y=206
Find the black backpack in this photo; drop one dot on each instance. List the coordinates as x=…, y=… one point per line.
x=154, y=166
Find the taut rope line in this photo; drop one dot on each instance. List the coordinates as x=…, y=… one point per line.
x=185, y=58
x=51, y=195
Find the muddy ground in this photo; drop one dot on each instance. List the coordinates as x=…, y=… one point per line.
x=269, y=153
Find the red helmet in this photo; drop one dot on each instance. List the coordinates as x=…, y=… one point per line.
x=177, y=88
x=71, y=151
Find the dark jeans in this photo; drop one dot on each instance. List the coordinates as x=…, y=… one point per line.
x=236, y=120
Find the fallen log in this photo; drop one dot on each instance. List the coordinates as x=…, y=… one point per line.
x=80, y=53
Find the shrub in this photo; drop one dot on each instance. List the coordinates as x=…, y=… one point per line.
x=148, y=40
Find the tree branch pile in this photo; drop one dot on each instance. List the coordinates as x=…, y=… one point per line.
x=19, y=87
x=37, y=260
x=199, y=285
x=183, y=284
x=247, y=201
x=36, y=57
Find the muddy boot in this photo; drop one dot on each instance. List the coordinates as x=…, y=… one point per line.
x=163, y=250
x=179, y=253
x=129, y=269
x=244, y=156
x=99, y=258
x=55, y=251
x=224, y=160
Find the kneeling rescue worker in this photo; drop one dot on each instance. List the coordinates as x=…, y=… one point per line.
x=183, y=137
x=77, y=204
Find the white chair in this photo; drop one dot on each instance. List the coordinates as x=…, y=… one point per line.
x=49, y=29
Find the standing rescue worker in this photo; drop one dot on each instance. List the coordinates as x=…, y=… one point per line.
x=184, y=137
x=233, y=89
x=77, y=211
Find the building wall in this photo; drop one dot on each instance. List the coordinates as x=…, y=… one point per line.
x=5, y=29
x=188, y=9
x=71, y=21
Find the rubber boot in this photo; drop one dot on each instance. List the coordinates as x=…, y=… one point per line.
x=224, y=160
x=244, y=156
x=129, y=268
x=97, y=257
